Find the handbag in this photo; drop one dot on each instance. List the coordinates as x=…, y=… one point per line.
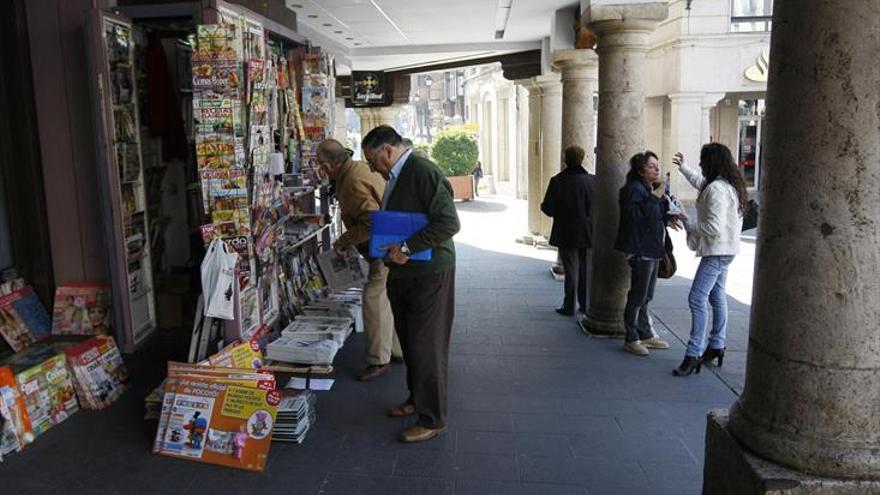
x=667, y=262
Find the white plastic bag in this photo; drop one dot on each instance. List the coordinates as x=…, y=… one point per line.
x=218, y=279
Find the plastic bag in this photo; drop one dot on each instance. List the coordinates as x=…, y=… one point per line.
x=218, y=279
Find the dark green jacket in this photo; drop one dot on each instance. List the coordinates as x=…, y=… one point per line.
x=421, y=187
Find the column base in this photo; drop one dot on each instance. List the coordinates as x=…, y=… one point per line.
x=606, y=325
x=729, y=469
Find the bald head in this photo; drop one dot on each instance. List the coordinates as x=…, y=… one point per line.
x=332, y=155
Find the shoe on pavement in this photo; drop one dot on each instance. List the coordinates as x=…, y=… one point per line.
x=564, y=311
x=373, y=371
x=636, y=348
x=655, y=343
x=401, y=410
x=418, y=433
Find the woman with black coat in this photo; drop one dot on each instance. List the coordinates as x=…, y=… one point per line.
x=641, y=236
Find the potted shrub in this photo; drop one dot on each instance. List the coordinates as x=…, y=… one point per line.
x=456, y=152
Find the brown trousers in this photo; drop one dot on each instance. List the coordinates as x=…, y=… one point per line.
x=423, y=310
x=381, y=341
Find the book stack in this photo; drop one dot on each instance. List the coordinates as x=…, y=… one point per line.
x=314, y=328
x=290, y=349
x=99, y=374
x=217, y=415
x=296, y=414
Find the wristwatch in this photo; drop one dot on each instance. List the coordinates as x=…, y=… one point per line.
x=405, y=249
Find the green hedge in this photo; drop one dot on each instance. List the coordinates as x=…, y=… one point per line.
x=455, y=153
x=426, y=148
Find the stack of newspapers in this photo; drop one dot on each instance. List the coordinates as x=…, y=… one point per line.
x=296, y=414
x=290, y=349
x=346, y=304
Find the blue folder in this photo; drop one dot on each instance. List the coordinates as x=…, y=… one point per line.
x=392, y=227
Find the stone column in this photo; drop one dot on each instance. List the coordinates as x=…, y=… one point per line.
x=551, y=135
x=373, y=117
x=812, y=392
x=622, y=44
x=533, y=154
x=579, y=69
x=709, y=102
x=686, y=136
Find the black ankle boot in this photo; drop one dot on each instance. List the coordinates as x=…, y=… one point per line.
x=688, y=366
x=711, y=354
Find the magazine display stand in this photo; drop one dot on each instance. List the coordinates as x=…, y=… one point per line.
x=120, y=169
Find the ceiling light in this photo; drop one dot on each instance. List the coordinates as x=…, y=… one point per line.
x=356, y=44
x=326, y=24
x=295, y=6
x=337, y=32
x=312, y=16
x=349, y=39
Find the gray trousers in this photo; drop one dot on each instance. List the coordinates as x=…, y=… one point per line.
x=636, y=318
x=576, y=263
x=423, y=310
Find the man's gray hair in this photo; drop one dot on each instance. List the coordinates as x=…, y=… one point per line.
x=333, y=152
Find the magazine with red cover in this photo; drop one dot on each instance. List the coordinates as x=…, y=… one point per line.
x=81, y=310
x=99, y=374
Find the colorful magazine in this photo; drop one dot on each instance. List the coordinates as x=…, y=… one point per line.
x=81, y=310
x=239, y=355
x=16, y=431
x=99, y=374
x=44, y=382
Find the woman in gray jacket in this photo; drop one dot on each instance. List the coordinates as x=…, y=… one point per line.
x=714, y=235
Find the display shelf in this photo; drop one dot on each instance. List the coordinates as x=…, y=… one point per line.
x=311, y=235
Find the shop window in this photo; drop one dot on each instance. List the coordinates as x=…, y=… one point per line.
x=749, y=139
x=751, y=15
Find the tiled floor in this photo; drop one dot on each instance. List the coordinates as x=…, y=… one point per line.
x=536, y=407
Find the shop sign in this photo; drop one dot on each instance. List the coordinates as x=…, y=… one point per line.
x=759, y=71
x=368, y=88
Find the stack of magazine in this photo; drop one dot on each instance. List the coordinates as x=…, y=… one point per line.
x=99, y=375
x=296, y=414
x=290, y=349
x=217, y=415
x=310, y=328
x=347, y=304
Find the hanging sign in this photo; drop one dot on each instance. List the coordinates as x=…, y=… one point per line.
x=368, y=88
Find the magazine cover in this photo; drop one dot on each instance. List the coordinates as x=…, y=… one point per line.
x=81, y=310
x=43, y=380
x=222, y=183
x=99, y=374
x=217, y=76
x=220, y=423
x=217, y=42
x=215, y=151
x=12, y=326
x=16, y=431
x=239, y=355
x=343, y=272
x=215, y=115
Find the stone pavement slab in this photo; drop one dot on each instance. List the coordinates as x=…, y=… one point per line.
x=536, y=406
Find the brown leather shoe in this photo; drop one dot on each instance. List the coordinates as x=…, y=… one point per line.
x=417, y=433
x=401, y=410
x=373, y=371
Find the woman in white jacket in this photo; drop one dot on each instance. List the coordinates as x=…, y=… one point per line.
x=714, y=235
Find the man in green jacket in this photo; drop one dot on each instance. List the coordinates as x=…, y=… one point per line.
x=422, y=293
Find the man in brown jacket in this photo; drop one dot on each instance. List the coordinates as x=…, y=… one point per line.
x=359, y=191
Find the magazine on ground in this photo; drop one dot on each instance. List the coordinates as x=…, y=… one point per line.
x=221, y=416
x=45, y=383
x=99, y=374
x=16, y=431
x=81, y=310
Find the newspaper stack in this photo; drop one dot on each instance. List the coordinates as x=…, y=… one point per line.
x=347, y=304
x=312, y=328
x=99, y=375
x=295, y=350
x=296, y=414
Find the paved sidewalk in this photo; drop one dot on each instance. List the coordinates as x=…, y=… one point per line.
x=536, y=407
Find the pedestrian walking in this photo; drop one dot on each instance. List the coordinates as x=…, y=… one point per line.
x=478, y=174
x=641, y=236
x=359, y=191
x=568, y=201
x=422, y=293
x=714, y=235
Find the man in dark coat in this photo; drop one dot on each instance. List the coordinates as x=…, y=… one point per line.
x=568, y=201
x=422, y=293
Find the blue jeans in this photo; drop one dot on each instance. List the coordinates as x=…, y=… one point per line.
x=708, y=289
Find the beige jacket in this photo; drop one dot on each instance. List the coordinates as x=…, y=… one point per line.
x=358, y=191
x=716, y=230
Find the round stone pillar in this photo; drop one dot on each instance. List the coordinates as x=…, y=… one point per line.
x=551, y=130
x=373, y=117
x=579, y=69
x=623, y=32
x=812, y=392
x=533, y=154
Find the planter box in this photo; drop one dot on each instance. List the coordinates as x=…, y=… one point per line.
x=462, y=187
